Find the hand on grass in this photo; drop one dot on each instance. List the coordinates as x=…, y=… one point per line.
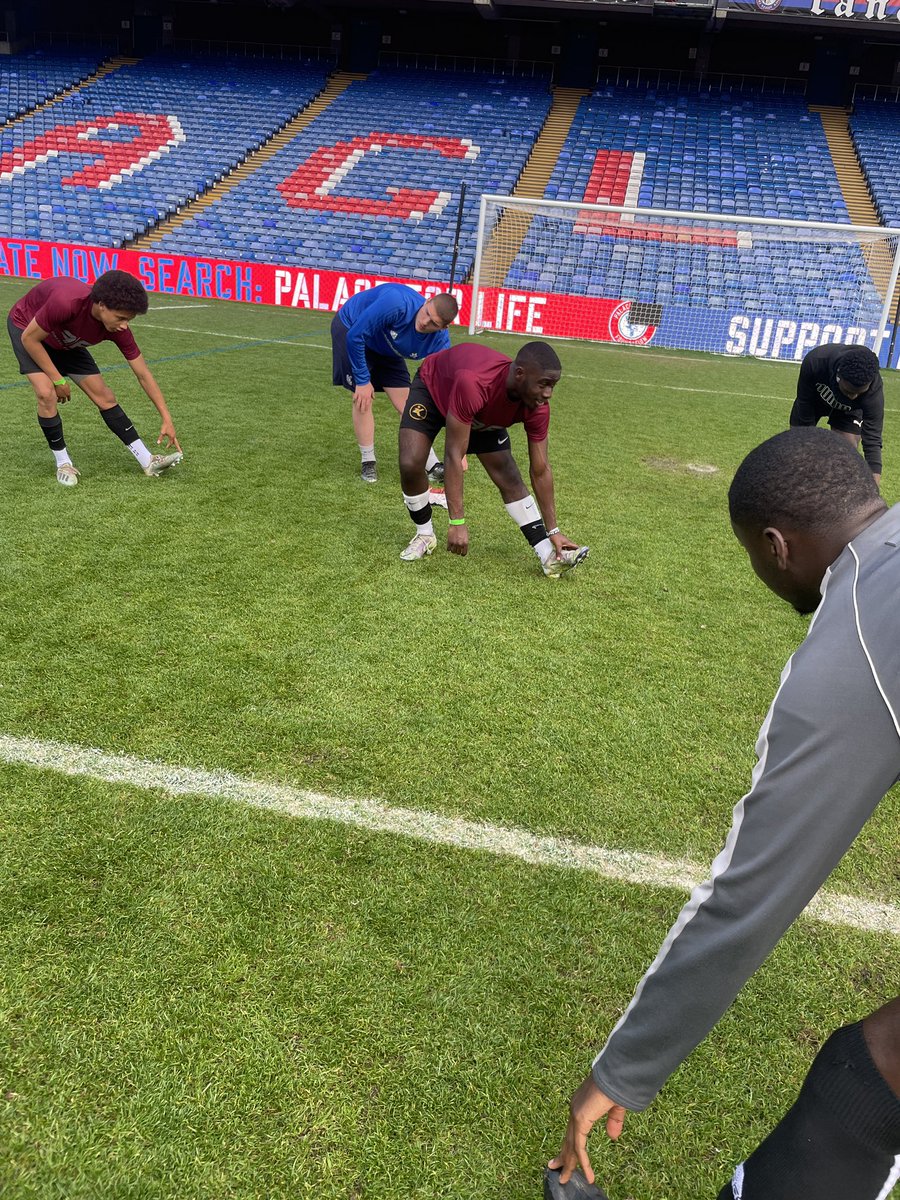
x=362, y=397
x=587, y=1106
x=167, y=435
x=458, y=539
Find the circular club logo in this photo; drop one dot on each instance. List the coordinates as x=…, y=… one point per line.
x=418, y=412
x=624, y=328
x=768, y=6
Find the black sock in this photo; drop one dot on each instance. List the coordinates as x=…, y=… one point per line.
x=118, y=422
x=53, y=431
x=534, y=532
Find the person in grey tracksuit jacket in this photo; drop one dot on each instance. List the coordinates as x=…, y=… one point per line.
x=809, y=514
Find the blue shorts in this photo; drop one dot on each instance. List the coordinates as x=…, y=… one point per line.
x=384, y=372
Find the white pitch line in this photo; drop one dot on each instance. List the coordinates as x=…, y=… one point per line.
x=671, y=387
x=240, y=337
x=647, y=870
x=665, y=387
x=174, y=307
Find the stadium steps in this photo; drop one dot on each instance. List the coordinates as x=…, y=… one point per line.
x=111, y=64
x=855, y=190
x=335, y=84
x=509, y=232
x=835, y=122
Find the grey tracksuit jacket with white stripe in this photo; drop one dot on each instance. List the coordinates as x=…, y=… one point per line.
x=828, y=751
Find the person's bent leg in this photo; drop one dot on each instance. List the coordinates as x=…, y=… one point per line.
x=841, y=1139
x=518, y=501
x=414, y=448
x=115, y=418
x=398, y=396
x=364, y=431
x=51, y=426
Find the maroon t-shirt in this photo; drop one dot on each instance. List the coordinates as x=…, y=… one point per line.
x=469, y=381
x=63, y=307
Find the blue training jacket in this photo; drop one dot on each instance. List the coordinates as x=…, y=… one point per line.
x=382, y=320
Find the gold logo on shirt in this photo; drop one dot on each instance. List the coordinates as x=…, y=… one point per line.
x=418, y=412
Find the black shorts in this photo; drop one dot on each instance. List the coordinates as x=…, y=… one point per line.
x=384, y=372
x=422, y=414
x=811, y=412
x=68, y=362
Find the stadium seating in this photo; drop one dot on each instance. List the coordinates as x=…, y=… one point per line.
x=758, y=156
x=444, y=128
x=163, y=131
x=27, y=80
x=372, y=184
x=875, y=129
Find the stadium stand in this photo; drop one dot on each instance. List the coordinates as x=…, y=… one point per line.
x=375, y=180
x=875, y=129
x=27, y=80
x=759, y=156
x=110, y=160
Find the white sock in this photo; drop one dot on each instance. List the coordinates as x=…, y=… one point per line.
x=526, y=512
x=416, y=504
x=431, y=460
x=140, y=452
x=62, y=457
x=367, y=453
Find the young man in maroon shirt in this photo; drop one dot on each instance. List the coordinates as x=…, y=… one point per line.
x=477, y=393
x=51, y=327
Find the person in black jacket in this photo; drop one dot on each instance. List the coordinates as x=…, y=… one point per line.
x=843, y=383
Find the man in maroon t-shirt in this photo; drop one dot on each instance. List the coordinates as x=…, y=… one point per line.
x=477, y=393
x=51, y=327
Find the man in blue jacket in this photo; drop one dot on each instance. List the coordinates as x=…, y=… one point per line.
x=371, y=338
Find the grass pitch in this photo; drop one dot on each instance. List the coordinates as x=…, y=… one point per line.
x=201, y=1000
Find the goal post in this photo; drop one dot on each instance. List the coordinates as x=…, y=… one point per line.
x=716, y=282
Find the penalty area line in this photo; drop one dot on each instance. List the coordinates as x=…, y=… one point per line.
x=636, y=867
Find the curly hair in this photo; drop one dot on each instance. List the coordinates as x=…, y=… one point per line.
x=858, y=366
x=121, y=292
x=804, y=479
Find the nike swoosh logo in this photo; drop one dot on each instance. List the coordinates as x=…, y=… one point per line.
x=500, y=441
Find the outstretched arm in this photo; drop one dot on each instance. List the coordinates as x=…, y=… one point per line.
x=145, y=378
x=456, y=442
x=873, y=423
x=808, y=801
x=542, y=485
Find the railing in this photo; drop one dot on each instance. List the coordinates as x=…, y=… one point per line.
x=535, y=68
x=253, y=49
x=876, y=91
x=647, y=77
x=74, y=39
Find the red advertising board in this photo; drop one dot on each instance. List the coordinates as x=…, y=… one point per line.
x=508, y=311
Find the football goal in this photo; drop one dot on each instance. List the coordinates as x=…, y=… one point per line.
x=690, y=280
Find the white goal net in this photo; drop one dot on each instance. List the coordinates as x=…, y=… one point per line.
x=691, y=280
